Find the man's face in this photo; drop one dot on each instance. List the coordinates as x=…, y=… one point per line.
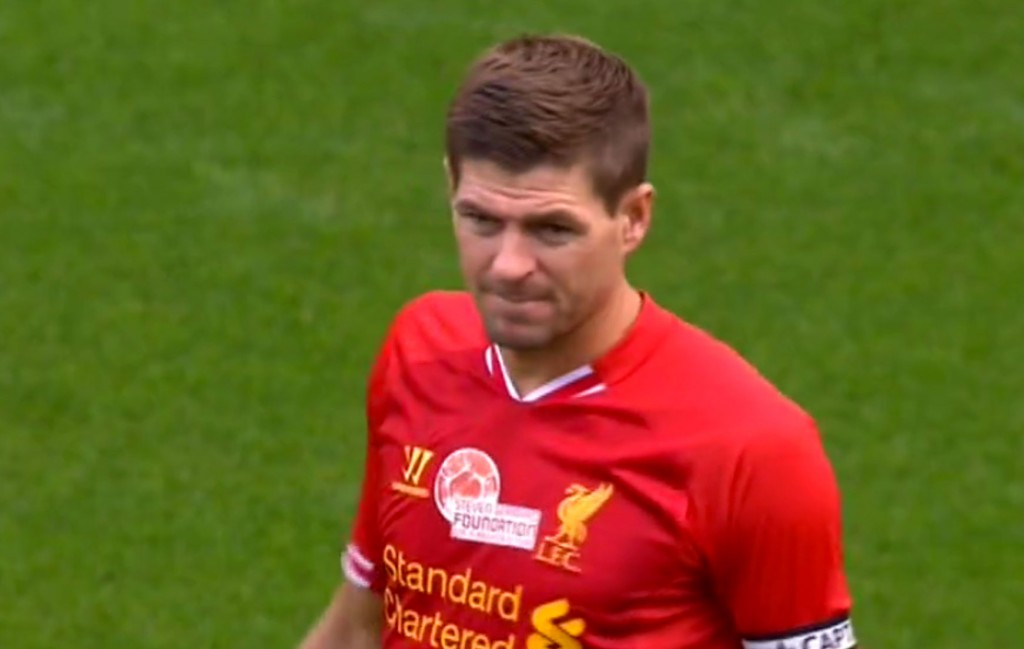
x=539, y=250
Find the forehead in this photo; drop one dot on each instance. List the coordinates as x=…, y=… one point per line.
x=540, y=189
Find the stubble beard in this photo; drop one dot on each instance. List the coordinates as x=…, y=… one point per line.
x=533, y=338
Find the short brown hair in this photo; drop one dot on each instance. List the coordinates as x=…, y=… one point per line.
x=557, y=100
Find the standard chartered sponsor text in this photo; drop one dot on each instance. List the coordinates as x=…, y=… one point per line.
x=458, y=588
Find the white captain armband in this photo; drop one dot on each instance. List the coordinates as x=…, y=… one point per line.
x=837, y=634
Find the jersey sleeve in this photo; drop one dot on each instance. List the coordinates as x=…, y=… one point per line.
x=779, y=565
x=361, y=559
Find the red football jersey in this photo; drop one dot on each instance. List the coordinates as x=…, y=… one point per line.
x=666, y=496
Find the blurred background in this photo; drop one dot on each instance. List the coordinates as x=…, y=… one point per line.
x=209, y=212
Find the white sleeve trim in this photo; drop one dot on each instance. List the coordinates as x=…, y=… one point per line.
x=359, y=558
x=834, y=635
x=348, y=567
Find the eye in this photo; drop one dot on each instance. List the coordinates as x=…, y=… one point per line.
x=482, y=223
x=555, y=228
x=554, y=233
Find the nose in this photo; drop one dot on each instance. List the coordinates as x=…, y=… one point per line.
x=514, y=260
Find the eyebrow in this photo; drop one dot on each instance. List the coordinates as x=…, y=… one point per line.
x=462, y=205
x=465, y=206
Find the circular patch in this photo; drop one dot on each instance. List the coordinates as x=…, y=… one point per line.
x=467, y=474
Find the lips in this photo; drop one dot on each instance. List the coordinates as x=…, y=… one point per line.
x=518, y=308
x=519, y=300
x=515, y=298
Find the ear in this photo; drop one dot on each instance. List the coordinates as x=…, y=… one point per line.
x=450, y=184
x=636, y=211
x=449, y=178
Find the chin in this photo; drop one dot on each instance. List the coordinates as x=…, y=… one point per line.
x=519, y=338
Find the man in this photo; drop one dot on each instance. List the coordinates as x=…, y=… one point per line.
x=554, y=461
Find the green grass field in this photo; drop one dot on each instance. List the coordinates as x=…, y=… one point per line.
x=210, y=211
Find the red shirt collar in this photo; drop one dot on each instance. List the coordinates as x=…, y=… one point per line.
x=641, y=340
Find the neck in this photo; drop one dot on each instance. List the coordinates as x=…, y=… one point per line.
x=593, y=338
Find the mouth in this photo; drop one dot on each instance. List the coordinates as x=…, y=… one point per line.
x=517, y=300
x=518, y=307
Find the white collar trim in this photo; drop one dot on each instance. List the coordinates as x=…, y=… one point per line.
x=554, y=385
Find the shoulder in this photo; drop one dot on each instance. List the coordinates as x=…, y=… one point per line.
x=751, y=452
x=431, y=339
x=705, y=379
x=436, y=323
x=707, y=396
